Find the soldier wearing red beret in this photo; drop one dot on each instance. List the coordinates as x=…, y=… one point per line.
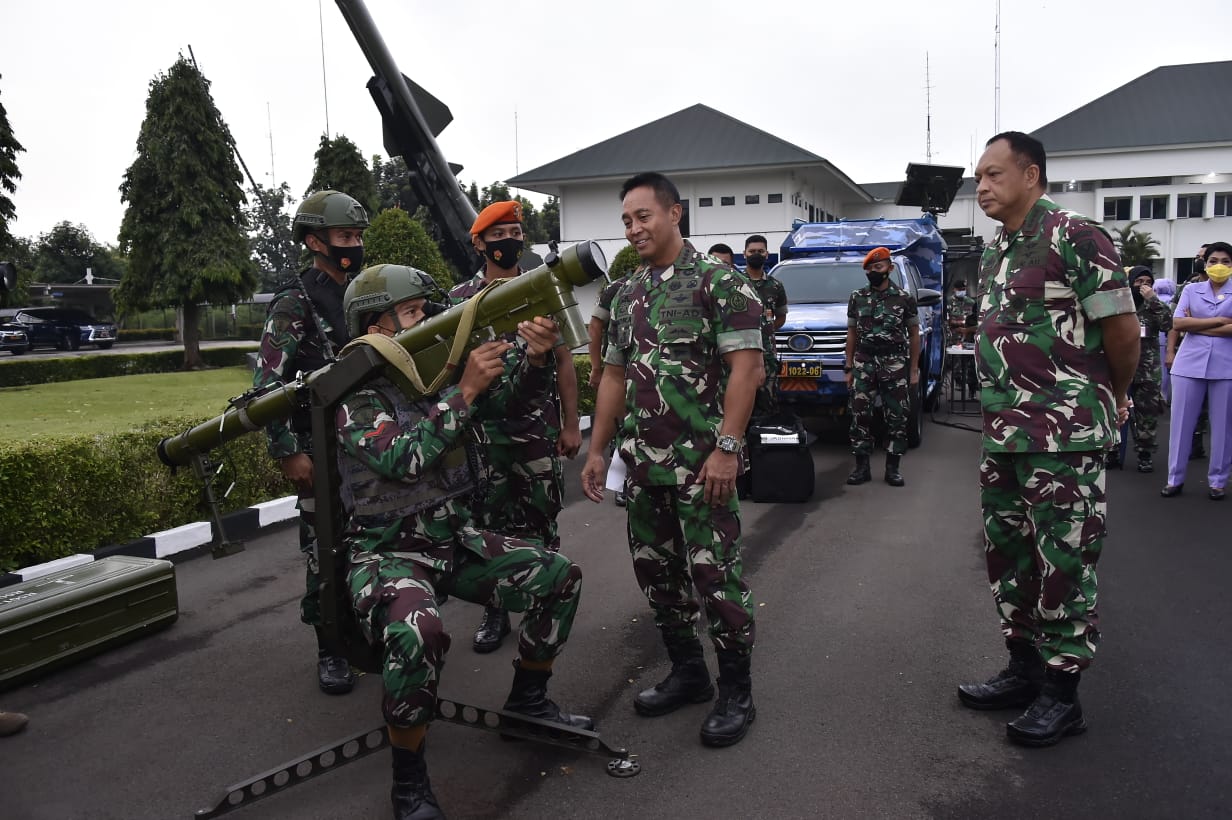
x=525, y=487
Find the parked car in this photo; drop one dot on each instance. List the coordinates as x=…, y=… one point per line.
x=13, y=338
x=64, y=328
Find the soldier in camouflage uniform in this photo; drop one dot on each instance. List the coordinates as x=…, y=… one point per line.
x=407, y=473
x=883, y=359
x=1056, y=350
x=1154, y=317
x=959, y=309
x=683, y=364
x=774, y=313
x=304, y=329
x=525, y=478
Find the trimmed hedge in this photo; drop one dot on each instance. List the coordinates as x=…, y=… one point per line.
x=72, y=368
x=58, y=497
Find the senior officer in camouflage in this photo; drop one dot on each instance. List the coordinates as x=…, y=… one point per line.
x=883, y=359
x=774, y=314
x=304, y=329
x=1154, y=318
x=683, y=364
x=1056, y=351
x=407, y=469
x=525, y=478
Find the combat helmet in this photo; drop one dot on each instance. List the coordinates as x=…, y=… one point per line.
x=379, y=288
x=328, y=209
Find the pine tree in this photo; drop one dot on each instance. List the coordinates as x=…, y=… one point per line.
x=340, y=167
x=9, y=174
x=184, y=229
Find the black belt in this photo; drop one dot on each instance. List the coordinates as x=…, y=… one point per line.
x=882, y=350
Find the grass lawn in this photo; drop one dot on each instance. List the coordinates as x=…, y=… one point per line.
x=116, y=404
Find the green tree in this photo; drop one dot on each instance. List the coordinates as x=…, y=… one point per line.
x=67, y=251
x=184, y=229
x=341, y=167
x=496, y=192
x=472, y=193
x=9, y=174
x=549, y=220
x=623, y=263
x=394, y=238
x=273, y=245
x=393, y=187
x=21, y=253
x=1136, y=247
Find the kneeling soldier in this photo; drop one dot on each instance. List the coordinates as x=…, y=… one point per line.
x=407, y=473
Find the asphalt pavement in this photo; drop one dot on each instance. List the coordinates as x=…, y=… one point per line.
x=871, y=603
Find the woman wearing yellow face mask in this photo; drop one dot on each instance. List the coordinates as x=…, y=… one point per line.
x=1203, y=369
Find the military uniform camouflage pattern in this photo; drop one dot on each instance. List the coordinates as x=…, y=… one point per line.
x=670, y=329
x=957, y=307
x=773, y=298
x=883, y=320
x=1155, y=318
x=1046, y=395
x=304, y=328
x=406, y=482
x=525, y=478
x=603, y=311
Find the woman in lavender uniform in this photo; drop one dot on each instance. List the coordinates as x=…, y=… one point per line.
x=1203, y=368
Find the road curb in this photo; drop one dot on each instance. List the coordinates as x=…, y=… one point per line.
x=183, y=542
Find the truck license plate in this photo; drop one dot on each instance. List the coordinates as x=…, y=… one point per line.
x=808, y=370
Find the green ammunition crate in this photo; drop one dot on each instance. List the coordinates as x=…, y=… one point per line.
x=68, y=615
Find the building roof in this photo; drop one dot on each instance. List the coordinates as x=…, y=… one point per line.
x=701, y=138
x=888, y=191
x=1171, y=105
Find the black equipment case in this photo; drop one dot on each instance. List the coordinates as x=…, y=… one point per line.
x=65, y=616
x=781, y=462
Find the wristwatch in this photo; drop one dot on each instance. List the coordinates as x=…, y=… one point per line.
x=729, y=444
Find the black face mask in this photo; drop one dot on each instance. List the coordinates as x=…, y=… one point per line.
x=504, y=253
x=1138, y=297
x=755, y=260
x=349, y=260
x=875, y=279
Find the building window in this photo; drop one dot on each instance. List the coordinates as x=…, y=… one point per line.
x=1117, y=208
x=1190, y=206
x=752, y=199
x=727, y=200
x=705, y=202
x=1153, y=207
x=1223, y=204
x=774, y=199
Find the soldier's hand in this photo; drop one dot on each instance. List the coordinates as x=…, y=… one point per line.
x=596, y=376
x=594, y=476
x=298, y=470
x=1147, y=292
x=540, y=334
x=915, y=375
x=851, y=379
x=483, y=366
x=719, y=477
x=569, y=442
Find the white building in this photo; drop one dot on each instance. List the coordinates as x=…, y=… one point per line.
x=1157, y=150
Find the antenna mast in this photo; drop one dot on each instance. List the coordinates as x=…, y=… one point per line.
x=996, y=56
x=324, y=84
x=928, y=113
x=269, y=123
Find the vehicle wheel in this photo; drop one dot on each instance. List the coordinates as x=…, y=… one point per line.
x=915, y=418
x=74, y=343
x=62, y=343
x=17, y=351
x=105, y=345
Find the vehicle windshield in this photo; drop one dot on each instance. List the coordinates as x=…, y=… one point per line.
x=814, y=282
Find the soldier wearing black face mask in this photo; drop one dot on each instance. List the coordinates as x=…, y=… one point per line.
x=525, y=480
x=304, y=329
x=774, y=306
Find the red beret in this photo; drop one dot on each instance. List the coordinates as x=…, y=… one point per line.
x=876, y=255
x=496, y=214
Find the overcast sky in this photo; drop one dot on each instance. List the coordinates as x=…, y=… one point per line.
x=843, y=80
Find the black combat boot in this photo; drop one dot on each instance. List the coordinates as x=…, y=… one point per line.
x=412, y=792
x=529, y=696
x=892, y=475
x=733, y=711
x=1112, y=460
x=1016, y=685
x=1197, y=449
x=1145, y=464
x=688, y=682
x=1054, y=714
x=862, y=472
x=334, y=674
x=492, y=630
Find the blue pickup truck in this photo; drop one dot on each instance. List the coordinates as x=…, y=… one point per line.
x=820, y=265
